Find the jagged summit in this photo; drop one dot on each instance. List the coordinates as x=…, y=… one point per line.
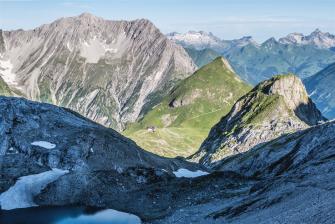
x=316, y=38
x=270, y=42
x=197, y=39
x=201, y=40
x=274, y=107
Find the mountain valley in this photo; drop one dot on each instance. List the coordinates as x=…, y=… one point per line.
x=111, y=121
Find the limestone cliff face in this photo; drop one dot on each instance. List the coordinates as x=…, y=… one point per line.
x=273, y=108
x=109, y=71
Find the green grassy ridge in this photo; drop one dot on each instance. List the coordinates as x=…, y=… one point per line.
x=209, y=94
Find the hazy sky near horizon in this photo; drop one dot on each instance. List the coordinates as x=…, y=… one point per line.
x=227, y=19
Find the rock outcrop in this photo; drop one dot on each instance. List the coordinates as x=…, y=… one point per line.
x=273, y=108
x=108, y=71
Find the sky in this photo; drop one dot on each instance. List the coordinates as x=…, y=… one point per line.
x=227, y=19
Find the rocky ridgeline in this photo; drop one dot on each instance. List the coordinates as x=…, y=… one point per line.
x=108, y=71
x=273, y=108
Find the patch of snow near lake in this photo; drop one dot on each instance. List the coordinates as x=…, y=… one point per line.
x=44, y=144
x=188, y=173
x=21, y=194
x=104, y=217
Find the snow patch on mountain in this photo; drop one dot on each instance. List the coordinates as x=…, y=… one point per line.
x=198, y=40
x=188, y=173
x=44, y=144
x=316, y=38
x=6, y=72
x=92, y=50
x=21, y=194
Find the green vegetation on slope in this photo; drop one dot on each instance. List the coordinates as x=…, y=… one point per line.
x=4, y=88
x=183, y=119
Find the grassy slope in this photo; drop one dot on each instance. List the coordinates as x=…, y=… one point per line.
x=4, y=89
x=206, y=96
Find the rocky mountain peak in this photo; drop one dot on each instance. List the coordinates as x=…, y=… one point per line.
x=274, y=107
x=246, y=40
x=288, y=86
x=316, y=38
x=106, y=70
x=197, y=39
x=291, y=88
x=317, y=32
x=86, y=15
x=270, y=42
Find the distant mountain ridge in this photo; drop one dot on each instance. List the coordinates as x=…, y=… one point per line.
x=201, y=40
x=316, y=38
x=109, y=71
x=254, y=62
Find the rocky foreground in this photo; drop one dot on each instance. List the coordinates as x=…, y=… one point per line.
x=286, y=180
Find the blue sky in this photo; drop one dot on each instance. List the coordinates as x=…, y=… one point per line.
x=227, y=19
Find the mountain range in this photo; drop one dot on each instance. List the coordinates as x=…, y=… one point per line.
x=201, y=145
x=255, y=62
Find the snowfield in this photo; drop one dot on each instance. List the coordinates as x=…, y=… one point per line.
x=6, y=68
x=21, y=194
x=188, y=173
x=44, y=144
